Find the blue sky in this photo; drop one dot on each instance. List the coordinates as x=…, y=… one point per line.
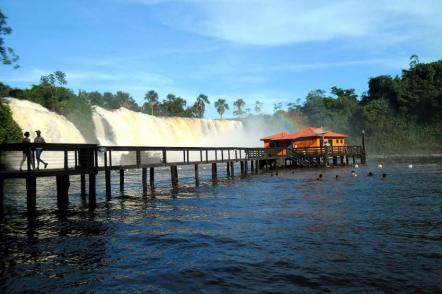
x=272, y=51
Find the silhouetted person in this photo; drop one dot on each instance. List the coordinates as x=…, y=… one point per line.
x=39, y=139
x=384, y=176
x=337, y=177
x=26, y=151
x=370, y=174
x=319, y=177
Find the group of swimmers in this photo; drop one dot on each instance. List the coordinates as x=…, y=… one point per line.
x=353, y=174
x=28, y=155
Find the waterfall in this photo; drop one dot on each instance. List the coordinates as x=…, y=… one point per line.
x=55, y=128
x=126, y=127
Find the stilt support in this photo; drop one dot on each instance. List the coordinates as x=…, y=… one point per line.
x=174, y=175
x=2, y=197
x=31, y=194
x=121, y=180
x=92, y=191
x=83, y=186
x=232, y=169
x=107, y=176
x=214, y=171
x=197, y=180
x=63, y=192
x=144, y=179
x=152, y=177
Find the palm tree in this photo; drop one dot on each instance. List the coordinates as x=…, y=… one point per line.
x=239, y=104
x=221, y=106
x=151, y=98
x=201, y=104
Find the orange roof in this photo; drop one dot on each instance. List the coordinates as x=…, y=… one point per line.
x=304, y=133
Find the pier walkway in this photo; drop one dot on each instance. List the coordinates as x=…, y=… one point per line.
x=89, y=159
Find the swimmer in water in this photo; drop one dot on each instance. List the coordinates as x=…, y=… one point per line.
x=353, y=173
x=384, y=176
x=319, y=177
x=370, y=174
x=337, y=177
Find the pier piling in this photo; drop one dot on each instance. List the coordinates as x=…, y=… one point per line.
x=31, y=194
x=107, y=176
x=62, y=192
x=174, y=175
x=232, y=169
x=144, y=179
x=92, y=191
x=152, y=177
x=197, y=180
x=121, y=180
x=83, y=186
x=214, y=171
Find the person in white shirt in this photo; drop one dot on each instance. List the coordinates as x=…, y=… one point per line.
x=39, y=139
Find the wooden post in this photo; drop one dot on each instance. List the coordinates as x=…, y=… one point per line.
x=83, y=186
x=335, y=160
x=346, y=159
x=257, y=166
x=152, y=177
x=2, y=197
x=252, y=166
x=241, y=164
x=214, y=175
x=232, y=169
x=92, y=191
x=342, y=160
x=31, y=194
x=354, y=160
x=197, y=180
x=107, y=176
x=363, y=155
x=144, y=179
x=62, y=192
x=228, y=169
x=121, y=180
x=174, y=175
x=246, y=163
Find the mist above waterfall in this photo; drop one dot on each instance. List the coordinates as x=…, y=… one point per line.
x=126, y=127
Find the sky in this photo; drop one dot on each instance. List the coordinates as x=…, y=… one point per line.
x=271, y=51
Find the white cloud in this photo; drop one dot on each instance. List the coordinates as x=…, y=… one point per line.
x=280, y=22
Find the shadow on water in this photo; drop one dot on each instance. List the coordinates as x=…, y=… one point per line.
x=261, y=233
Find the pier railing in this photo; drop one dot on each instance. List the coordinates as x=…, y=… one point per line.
x=73, y=158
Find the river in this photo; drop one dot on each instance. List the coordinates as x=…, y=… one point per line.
x=287, y=233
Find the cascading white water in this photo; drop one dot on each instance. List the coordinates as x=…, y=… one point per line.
x=125, y=127
x=55, y=128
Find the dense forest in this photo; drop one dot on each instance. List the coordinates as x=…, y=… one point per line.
x=399, y=114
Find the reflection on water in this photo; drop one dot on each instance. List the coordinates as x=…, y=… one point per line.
x=288, y=233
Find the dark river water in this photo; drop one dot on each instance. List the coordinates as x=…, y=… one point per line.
x=286, y=233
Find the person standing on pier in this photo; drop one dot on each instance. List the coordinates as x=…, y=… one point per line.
x=39, y=139
x=26, y=151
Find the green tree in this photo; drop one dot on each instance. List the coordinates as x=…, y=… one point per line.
x=221, y=106
x=174, y=106
x=200, y=105
x=151, y=99
x=7, y=54
x=239, y=104
x=277, y=107
x=258, y=106
x=10, y=132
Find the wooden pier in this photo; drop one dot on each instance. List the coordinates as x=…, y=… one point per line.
x=87, y=160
